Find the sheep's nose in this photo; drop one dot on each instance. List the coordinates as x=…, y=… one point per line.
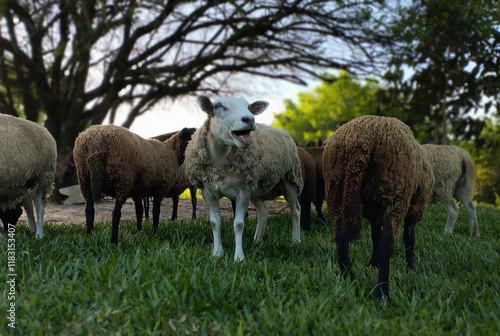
x=248, y=120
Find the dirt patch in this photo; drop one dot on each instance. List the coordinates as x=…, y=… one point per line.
x=57, y=213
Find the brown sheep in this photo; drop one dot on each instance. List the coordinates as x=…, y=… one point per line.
x=454, y=171
x=112, y=160
x=317, y=154
x=181, y=184
x=374, y=168
x=308, y=193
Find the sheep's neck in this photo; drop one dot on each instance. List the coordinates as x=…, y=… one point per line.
x=219, y=152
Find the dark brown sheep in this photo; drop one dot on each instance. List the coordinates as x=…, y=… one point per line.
x=308, y=194
x=181, y=184
x=112, y=160
x=317, y=154
x=374, y=168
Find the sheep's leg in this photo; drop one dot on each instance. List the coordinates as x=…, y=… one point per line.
x=89, y=214
x=470, y=208
x=28, y=207
x=242, y=201
x=305, y=214
x=385, y=253
x=409, y=241
x=194, y=200
x=262, y=213
x=138, y=212
x=215, y=220
x=117, y=213
x=156, y=211
x=40, y=210
x=342, y=244
x=291, y=196
x=376, y=231
x=452, y=209
x=318, y=204
x=146, y=207
x=471, y=213
x=175, y=205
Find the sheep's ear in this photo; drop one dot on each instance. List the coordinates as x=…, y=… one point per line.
x=205, y=104
x=258, y=107
x=186, y=133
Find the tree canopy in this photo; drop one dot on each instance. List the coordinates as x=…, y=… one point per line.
x=446, y=63
x=327, y=107
x=76, y=62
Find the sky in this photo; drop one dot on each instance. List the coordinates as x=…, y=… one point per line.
x=170, y=116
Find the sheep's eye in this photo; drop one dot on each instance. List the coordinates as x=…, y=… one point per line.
x=219, y=105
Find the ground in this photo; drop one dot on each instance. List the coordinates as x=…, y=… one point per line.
x=57, y=213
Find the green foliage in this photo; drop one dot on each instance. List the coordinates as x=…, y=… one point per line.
x=320, y=113
x=444, y=60
x=169, y=284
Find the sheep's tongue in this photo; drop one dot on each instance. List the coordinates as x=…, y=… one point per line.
x=246, y=139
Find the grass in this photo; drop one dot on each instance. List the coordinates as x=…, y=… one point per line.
x=168, y=284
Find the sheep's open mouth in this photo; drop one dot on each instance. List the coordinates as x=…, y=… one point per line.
x=243, y=136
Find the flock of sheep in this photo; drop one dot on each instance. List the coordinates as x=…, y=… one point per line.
x=371, y=167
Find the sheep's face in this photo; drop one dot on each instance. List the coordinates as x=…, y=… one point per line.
x=232, y=119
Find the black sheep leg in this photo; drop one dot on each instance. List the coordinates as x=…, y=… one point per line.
x=89, y=214
x=117, y=213
x=376, y=231
x=305, y=215
x=409, y=241
x=146, y=207
x=138, y=212
x=342, y=244
x=156, y=212
x=385, y=252
x=175, y=205
x=320, y=219
x=194, y=201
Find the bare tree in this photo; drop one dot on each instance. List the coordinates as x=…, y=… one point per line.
x=75, y=62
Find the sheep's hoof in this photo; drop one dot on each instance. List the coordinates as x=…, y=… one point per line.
x=475, y=233
x=379, y=295
x=218, y=253
x=239, y=258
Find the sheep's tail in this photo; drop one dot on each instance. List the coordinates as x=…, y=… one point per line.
x=351, y=213
x=96, y=169
x=467, y=178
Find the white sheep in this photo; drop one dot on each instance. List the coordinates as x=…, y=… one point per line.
x=454, y=171
x=232, y=156
x=112, y=160
x=28, y=154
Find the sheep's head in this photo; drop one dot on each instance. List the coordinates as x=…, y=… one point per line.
x=232, y=119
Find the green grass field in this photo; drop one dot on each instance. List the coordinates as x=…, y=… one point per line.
x=168, y=284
